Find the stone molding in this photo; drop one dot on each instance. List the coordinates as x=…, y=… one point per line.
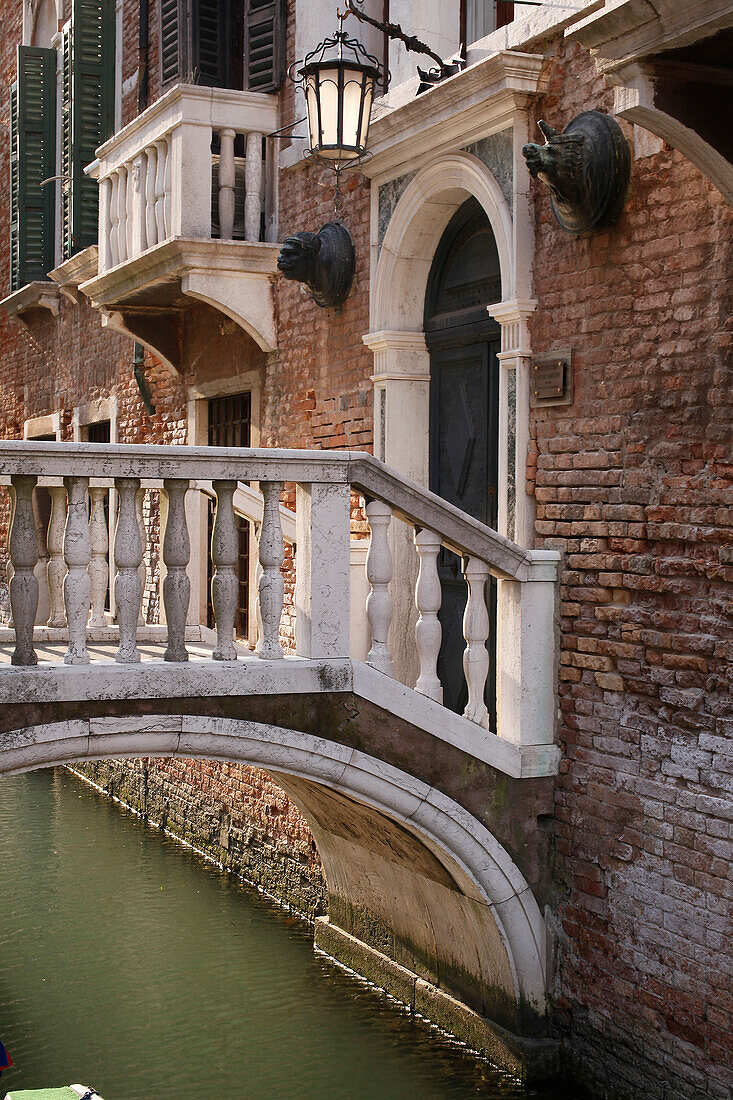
x=478, y=101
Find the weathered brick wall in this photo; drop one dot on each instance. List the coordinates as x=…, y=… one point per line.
x=633, y=484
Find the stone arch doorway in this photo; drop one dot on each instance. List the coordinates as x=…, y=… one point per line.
x=463, y=342
x=402, y=267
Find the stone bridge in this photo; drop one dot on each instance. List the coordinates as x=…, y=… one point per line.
x=432, y=827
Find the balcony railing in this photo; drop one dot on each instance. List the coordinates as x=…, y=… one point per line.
x=323, y=604
x=194, y=165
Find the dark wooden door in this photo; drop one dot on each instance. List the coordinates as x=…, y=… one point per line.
x=230, y=421
x=464, y=425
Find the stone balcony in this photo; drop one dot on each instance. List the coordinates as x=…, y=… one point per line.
x=188, y=214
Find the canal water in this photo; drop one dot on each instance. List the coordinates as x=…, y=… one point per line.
x=130, y=964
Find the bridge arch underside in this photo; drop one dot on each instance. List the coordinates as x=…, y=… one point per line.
x=411, y=874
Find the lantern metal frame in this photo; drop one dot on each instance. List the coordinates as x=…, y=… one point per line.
x=345, y=55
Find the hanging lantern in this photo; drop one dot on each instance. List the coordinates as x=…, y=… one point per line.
x=338, y=79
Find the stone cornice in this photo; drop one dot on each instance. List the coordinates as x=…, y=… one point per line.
x=634, y=29
x=478, y=101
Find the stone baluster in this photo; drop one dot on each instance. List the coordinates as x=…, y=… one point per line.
x=56, y=568
x=272, y=585
x=226, y=185
x=476, y=632
x=176, y=555
x=122, y=214
x=130, y=212
x=98, y=566
x=105, y=224
x=428, y=631
x=23, y=547
x=114, y=219
x=136, y=222
x=253, y=187
x=379, y=574
x=77, y=582
x=142, y=570
x=161, y=174
x=128, y=555
x=151, y=228
x=224, y=583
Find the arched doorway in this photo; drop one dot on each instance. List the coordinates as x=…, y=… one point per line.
x=463, y=342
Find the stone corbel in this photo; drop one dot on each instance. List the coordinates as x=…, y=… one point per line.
x=515, y=513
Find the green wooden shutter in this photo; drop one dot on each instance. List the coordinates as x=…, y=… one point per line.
x=174, y=21
x=33, y=160
x=14, y=195
x=87, y=112
x=65, y=168
x=264, y=45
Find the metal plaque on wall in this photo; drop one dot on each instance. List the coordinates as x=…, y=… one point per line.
x=551, y=378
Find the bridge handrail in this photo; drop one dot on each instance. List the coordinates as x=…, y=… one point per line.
x=325, y=485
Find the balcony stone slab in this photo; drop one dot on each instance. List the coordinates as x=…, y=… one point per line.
x=146, y=296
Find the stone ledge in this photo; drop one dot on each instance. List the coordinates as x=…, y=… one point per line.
x=531, y=1059
x=37, y=295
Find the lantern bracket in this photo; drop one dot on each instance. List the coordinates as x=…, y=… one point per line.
x=429, y=77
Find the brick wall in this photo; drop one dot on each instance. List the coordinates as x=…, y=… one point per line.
x=633, y=484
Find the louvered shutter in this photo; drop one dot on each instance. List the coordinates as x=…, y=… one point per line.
x=87, y=112
x=67, y=246
x=14, y=194
x=264, y=45
x=210, y=43
x=174, y=22
x=33, y=160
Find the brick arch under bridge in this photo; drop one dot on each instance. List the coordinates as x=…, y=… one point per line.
x=411, y=873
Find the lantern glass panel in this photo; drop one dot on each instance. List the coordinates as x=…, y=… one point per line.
x=368, y=99
x=311, y=100
x=353, y=88
x=328, y=94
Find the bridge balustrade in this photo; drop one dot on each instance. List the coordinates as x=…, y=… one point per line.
x=81, y=478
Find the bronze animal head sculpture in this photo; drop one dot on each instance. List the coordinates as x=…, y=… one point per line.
x=586, y=168
x=323, y=261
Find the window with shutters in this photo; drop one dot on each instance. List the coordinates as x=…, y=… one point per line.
x=223, y=43
x=32, y=163
x=87, y=62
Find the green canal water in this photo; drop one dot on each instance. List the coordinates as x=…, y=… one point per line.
x=130, y=964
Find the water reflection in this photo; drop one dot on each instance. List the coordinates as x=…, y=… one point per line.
x=128, y=963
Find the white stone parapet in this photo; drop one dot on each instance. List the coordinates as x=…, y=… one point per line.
x=156, y=174
x=326, y=482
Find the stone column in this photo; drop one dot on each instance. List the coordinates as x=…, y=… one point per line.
x=516, y=511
